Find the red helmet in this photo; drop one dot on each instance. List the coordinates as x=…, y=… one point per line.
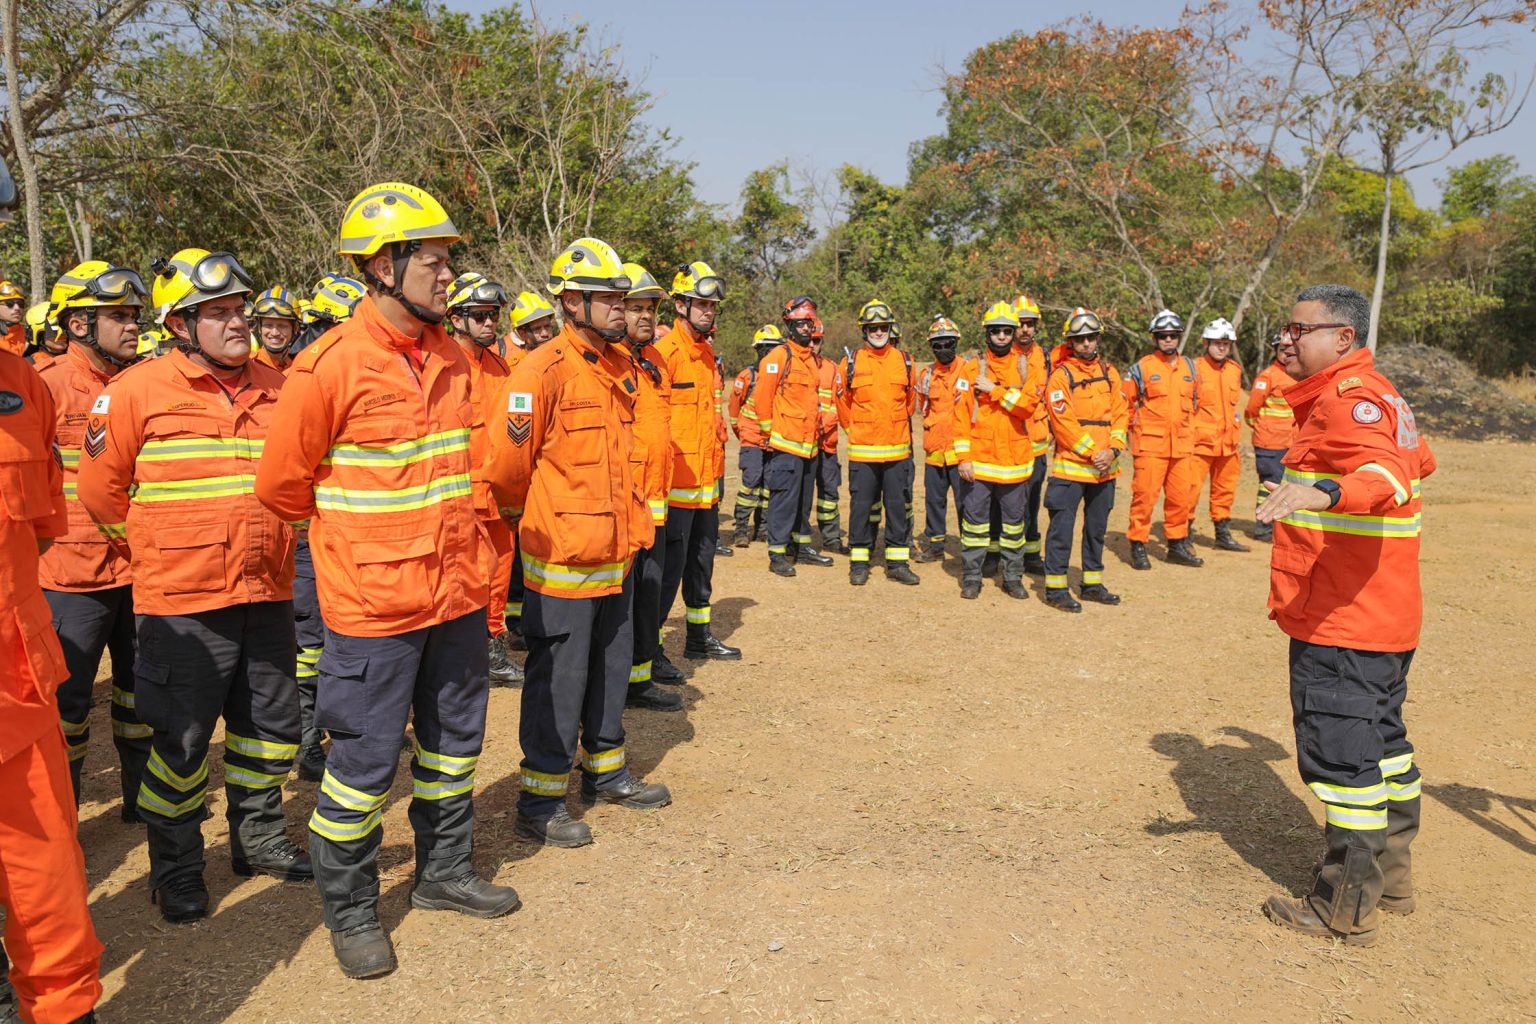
x=816, y=328
x=801, y=307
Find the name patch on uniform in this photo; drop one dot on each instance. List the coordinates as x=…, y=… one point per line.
x=10, y=402
x=385, y=399
x=100, y=408
x=520, y=401
x=1366, y=412
x=174, y=406
x=771, y=368
x=1155, y=376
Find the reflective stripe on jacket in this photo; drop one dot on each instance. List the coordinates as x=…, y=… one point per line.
x=1218, y=397
x=1087, y=412
x=743, y=412
x=652, y=453
x=991, y=430
x=875, y=401
x=787, y=399
x=1268, y=412
x=936, y=393
x=698, y=422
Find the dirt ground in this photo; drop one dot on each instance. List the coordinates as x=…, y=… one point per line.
x=904, y=807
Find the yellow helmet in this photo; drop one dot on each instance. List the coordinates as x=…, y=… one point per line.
x=389, y=213
x=40, y=325
x=768, y=334
x=698, y=281
x=472, y=289
x=529, y=308
x=153, y=341
x=1081, y=321
x=1000, y=315
x=875, y=312
x=194, y=276
x=10, y=292
x=588, y=265
x=97, y=283
x=276, y=303
x=335, y=298
x=1025, y=308
x=641, y=284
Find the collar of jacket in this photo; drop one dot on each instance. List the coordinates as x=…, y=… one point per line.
x=190, y=370
x=692, y=337
x=433, y=339
x=1304, y=391
x=83, y=361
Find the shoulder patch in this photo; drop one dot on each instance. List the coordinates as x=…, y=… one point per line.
x=770, y=367
x=10, y=402
x=1058, y=396
x=1366, y=412
x=102, y=403
x=962, y=384
x=1260, y=385
x=520, y=402
x=1349, y=383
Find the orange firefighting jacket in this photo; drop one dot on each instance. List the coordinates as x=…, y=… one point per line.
x=81, y=559
x=937, y=389
x=698, y=422
x=1349, y=576
x=743, y=412
x=1160, y=392
x=652, y=453
x=488, y=374
x=170, y=465
x=828, y=385
x=31, y=509
x=14, y=340
x=788, y=400
x=875, y=400
x=1268, y=413
x=374, y=452
x=1218, y=397
x=261, y=355
x=1088, y=411
x=1039, y=422
x=562, y=466
x=991, y=431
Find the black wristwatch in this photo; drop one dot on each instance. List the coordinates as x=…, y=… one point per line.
x=1330, y=488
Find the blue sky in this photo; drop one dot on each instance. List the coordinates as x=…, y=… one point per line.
x=742, y=85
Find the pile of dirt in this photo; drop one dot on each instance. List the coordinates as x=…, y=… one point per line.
x=1450, y=399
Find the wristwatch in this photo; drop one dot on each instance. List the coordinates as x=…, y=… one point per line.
x=1330, y=488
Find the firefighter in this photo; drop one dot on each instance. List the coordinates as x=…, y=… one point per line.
x=155, y=342
x=562, y=467
x=533, y=323
x=45, y=342
x=474, y=313
x=1028, y=345
x=994, y=452
x=1344, y=586
x=86, y=579
x=1160, y=391
x=651, y=463
x=376, y=457
x=698, y=441
x=875, y=400
x=170, y=449
x=1088, y=416
x=13, y=329
x=1269, y=416
x=1219, y=397
x=275, y=324
x=828, y=472
x=751, y=495
x=788, y=411
x=334, y=300
x=937, y=389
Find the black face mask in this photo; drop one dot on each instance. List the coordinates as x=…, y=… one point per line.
x=945, y=355
x=1000, y=347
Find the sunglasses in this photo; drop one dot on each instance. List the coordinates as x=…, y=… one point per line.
x=484, y=316
x=1000, y=330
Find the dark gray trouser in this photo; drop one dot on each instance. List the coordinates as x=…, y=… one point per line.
x=693, y=537
x=975, y=529
x=645, y=615
x=1034, y=492
x=436, y=676
x=236, y=663
x=874, y=485
x=938, y=482
x=751, y=495
x=829, y=476
x=1270, y=467
x=1061, y=500
x=791, y=487
x=309, y=634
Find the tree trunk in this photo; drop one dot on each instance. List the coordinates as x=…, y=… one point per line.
x=20, y=145
x=1381, y=253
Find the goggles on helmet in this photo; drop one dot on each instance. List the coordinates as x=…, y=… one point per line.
x=486, y=293
x=116, y=283
x=709, y=288
x=214, y=272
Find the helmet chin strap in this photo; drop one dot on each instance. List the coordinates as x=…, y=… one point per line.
x=1000, y=351
x=606, y=333
x=95, y=346
x=400, y=256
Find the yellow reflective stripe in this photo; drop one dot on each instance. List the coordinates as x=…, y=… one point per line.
x=1302, y=476
x=351, y=799
x=1356, y=526
x=873, y=450
x=573, y=577
x=1358, y=819
x=234, y=775
x=445, y=763
x=341, y=832
x=123, y=698
x=203, y=487
x=200, y=448
x=992, y=473
x=1397, y=764
x=75, y=728
x=69, y=458
x=113, y=531
x=259, y=748
x=681, y=494
x=698, y=616
x=962, y=446
x=1398, y=489
x=897, y=554
x=184, y=783
x=1092, y=576
x=640, y=673
x=1267, y=411
x=543, y=783
x=346, y=499
x=75, y=753
x=784, y=444
x=1056, y=582
x=1118, y=435
x=1074, y=470
x=151, y=801
x=858, y=554
x=514, y=609
x=1359, y=796
x=1041, y=447
x=131, y=731
x=402, y=454
x=823, y=392
x=1403, y=790
x=442, y=790
x=1083, y=445
x=1011, y=398
x=607, y=761
x=658, y=509
x=69, y=490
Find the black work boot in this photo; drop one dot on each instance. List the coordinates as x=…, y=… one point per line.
x=970, y=590
x=858, y=573
x=663, y=671
x=282, y=859
x=1061, y=597
x=652, y=697
x=703, y=645
x=901, y=572
x=311, y=763
x=1181, y=552
x=364, y=951
x=515, y=641
x=723, y=550
x=810, y=556
x=991, y=563
x=557, y=829
x=780, y=565
x=182, y=898
x=1139, y=559
x=468, y=894
x=628, y=791
x=1263, y=531
x=928, y=553
x=1015, y=589
x=1224, y=538
x=504, y=671
x=1034, y=564
x=1098, y=594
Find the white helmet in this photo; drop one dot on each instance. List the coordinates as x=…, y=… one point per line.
x=1219, y=329
x=1166, y=321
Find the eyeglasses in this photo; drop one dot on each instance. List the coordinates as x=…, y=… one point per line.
x=1293, y=331
x=10, y=302
x=1087, y=337
x=484, y=316
x=943, y=346
x=878, y=328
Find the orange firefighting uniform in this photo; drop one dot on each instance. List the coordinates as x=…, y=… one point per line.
x=789, y=412
x=1269, y=415
x=488, y=374
x=876, y=393
x=14, y=340
x=991, y=432
x=52, y=944
x=1040, y=436
x=828, y=472
x=937, y=390
x=651, y=462
x=261, y=355
x=751, y=495
x=1160, y=392
x=1219, y=397
x=1088, y=412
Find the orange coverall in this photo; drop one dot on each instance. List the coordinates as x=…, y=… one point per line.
x=1219, y=388
x=487, y=380
x=1160, y=391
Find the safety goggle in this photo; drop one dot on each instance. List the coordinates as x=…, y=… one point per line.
x=879, y=315
x=1004, y=329
x=212, y=273
x=275, y=308
x=1166, y=335
x=486, y=293
x=116, y=283
x=709, y=288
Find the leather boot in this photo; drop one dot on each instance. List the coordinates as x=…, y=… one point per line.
x=1396, y=860
x=468, y=894
x=1015, y=589
x=970, y=590
x=282, y=859
x=1263, y=531
x=1224, y=539
x=663, y=671
x=364, y=951
x=182, y=898
x=928, y=553
x=902, y=573
x=1139, y=559
x=1098, y=594
x=780, y=565
x=515, y=641
x=1343, y=900
x=1061, y=598
x=628, y=791
x=991, y=563
x=558, y=829
x=1034, y=564
x=311, y=763
x=504, y=671
x=810, y=556
x=858, y=573
x=742, y=538
x=1181, y=552
x=704, y=645
x=652, y=697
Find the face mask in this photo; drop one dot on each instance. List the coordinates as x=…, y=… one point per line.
x=1000, y=347
x=945, y=356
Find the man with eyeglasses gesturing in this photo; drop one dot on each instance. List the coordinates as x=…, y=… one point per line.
x=1344, y=586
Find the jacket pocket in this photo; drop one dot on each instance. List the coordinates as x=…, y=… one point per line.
x=24, y=489
x=45, y=658
x=584, y=435
x=586, y=531
x=394, y=576
x=685, y=420
x=192, y=557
